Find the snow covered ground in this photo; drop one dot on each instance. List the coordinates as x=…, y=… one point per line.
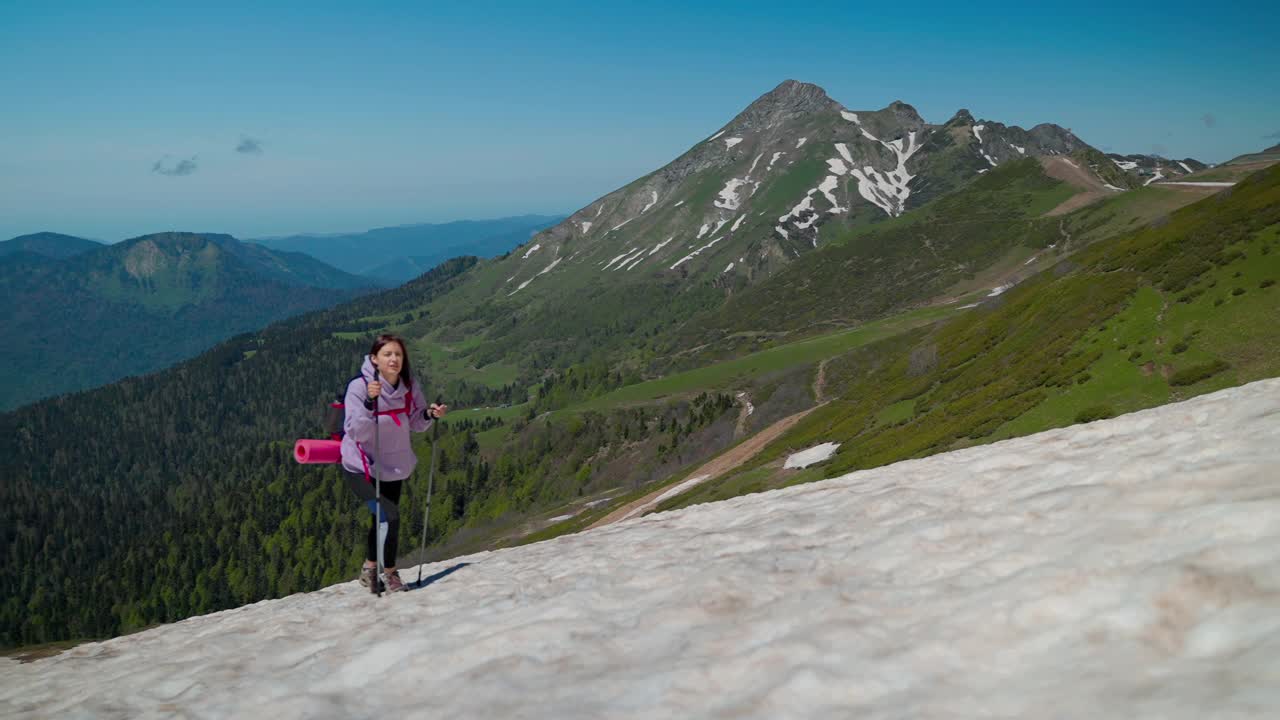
x=1128, y=568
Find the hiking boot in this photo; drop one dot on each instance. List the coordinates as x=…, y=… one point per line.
x=394, y=583
x=367, y=574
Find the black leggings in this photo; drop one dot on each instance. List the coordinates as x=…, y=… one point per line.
x=390, y=508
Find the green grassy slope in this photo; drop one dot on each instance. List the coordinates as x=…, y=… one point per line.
x=873, y=271
x=1156, y=316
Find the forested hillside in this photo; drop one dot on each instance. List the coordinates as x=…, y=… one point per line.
x=175, y=494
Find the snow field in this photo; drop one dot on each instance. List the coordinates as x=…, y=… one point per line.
x=1122, y=568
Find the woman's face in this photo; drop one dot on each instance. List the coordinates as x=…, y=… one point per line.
x=389, y=360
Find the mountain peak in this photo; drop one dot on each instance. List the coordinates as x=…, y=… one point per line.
x=796, y=89
x=789, y=99
x=962, y=117
x=905, y=113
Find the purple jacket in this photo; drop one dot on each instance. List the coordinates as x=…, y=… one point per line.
x=395, y=459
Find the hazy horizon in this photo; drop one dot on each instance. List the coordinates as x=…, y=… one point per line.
x=268, y=236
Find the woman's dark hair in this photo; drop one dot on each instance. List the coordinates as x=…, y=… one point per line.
x=406, y=373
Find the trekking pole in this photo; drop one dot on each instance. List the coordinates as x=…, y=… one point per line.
x=380, y=533
x=431, y=478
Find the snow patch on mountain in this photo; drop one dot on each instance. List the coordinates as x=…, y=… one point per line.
x=730, y=142
x=1125, y=164
x=774, y=159
x=825, y=187
x=851, y=117
x=781, y=231
x=1153, y=178
x=713, y=137
x=1109, y=186
x=616, y=259
x=639, y=252
x=661, y=245
x=736, y=223
x=703, y=230
x=1184, y=167
x=813, y=455
x=800, y=143
x=1021, y=150
x=804, y=207
x=699, y=251
x=729, y=199
x=652, y=202
x=529, y=252
x=586, y=226
x=977, y=132
x=727, y=268
x=887, y=191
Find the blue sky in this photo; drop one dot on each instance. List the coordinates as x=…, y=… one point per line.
x=122, y=119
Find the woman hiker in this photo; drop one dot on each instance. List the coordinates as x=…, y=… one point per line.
x=385, y=386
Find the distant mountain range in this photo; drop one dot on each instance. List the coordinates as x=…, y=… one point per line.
x=395, y=255
x=108, y=311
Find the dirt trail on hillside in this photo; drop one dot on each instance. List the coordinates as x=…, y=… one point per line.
x=1069, y=171
x=820, y=381
x=716, y=467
